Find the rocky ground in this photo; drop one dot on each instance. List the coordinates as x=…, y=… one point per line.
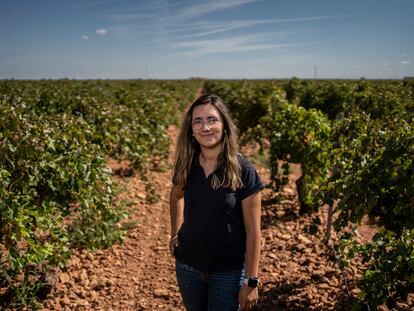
x=298, y=271
x=136, y=275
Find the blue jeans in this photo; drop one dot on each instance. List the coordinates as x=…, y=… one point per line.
x=218, y=291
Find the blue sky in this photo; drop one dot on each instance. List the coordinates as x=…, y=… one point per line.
x=124, y=39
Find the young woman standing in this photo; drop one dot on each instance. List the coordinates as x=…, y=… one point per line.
x=215, y=205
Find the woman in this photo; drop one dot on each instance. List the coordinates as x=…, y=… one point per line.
x=215, y=207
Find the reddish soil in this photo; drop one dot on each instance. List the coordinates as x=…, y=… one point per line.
x=298, y=272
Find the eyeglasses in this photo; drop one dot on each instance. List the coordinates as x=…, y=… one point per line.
x=198, y=124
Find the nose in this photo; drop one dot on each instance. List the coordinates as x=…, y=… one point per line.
x=204, y=126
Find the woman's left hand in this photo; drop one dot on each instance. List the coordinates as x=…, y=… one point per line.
x=247, y=297
x=173, y=244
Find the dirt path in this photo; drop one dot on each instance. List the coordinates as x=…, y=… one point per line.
x=136, y=275
x=139, y=274
x=297, y=271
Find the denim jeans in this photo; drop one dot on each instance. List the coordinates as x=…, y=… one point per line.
x=218, y=291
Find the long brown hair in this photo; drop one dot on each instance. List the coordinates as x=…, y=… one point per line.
x=187, y=147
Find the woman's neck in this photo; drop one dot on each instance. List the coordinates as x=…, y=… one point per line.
x=210, y=156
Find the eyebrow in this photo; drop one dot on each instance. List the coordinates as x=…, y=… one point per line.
x=211, y=116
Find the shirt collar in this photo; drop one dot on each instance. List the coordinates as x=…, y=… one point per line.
x=196, y=163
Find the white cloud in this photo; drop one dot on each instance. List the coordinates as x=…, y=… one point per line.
x=385, y=64
x=85, y=37
x=208, y=28
x=404, y=62
x=101, y=31
x=163, y=22
x=211, y=6
x=241, y=43
x=174, y=31
x=205, y=28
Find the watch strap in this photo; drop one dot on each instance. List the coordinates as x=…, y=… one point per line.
x=251, y=281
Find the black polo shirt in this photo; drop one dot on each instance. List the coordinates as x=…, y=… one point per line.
x=213, y=237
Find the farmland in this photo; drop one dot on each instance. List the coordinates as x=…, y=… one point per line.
x=85, y=172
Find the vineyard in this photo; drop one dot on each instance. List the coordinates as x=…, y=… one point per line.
x=337, y=158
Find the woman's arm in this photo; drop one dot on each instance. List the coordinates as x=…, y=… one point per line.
x=251, y=207
x=176, y=214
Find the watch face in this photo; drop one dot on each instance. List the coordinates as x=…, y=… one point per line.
x=253, y=283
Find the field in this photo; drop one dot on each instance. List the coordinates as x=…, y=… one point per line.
x=85, y=172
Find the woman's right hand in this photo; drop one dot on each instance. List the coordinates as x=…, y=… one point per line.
x=173, y=244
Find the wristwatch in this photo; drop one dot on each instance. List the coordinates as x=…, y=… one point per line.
x=252, y=282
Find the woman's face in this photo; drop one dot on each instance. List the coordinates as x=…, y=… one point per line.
x=207, y=126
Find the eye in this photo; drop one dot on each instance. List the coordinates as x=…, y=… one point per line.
x=211, y=120
x=197, y=122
